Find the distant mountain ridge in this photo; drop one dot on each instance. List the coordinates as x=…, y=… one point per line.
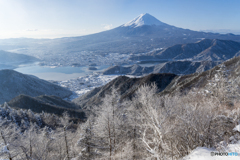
x=174, y=67
x=14, y=83
x=204, y=50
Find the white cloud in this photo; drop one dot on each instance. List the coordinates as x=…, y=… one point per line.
x=107, y=26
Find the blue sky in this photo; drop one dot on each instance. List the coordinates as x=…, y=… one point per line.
x=61, y=18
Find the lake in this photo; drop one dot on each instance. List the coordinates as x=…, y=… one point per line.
x=57, y=73
x=66, y=72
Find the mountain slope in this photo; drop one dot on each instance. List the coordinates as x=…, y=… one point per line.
x=49, y=104
x=13, y=83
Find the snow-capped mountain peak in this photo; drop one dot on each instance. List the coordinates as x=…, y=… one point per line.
x=143, y=19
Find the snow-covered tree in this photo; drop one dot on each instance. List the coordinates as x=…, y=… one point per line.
x=108, y=123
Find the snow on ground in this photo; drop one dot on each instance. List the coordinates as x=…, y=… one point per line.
x=231, y=152
x=82, y=85
x=203, y=153
x=200, y=153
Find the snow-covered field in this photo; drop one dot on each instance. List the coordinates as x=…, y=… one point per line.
x=82, y=85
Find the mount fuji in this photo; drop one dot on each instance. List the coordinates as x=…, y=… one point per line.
x=142, y=34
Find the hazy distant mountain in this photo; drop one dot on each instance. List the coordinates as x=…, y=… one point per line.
x=48, y=104
x=14, y=58
x=14, y=83
x=175, y=67
x=204, y=50
x=223, y=31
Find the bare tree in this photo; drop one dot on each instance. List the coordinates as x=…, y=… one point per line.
x=87, y=140
x=8, y=138
x=65, y=122
x=175, y=125
x=108, y=121
x=28, y=140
